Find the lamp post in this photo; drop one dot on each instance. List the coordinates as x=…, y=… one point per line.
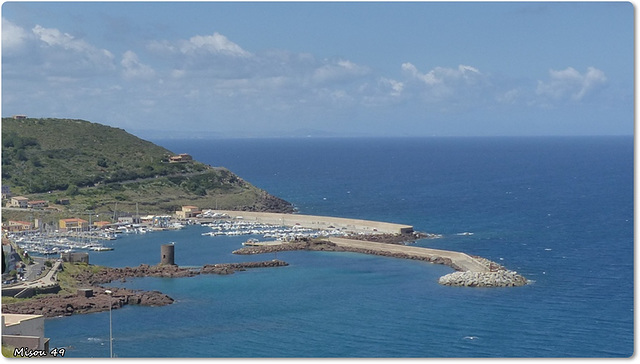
x=110, y=330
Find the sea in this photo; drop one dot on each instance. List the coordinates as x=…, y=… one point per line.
x=558, y=210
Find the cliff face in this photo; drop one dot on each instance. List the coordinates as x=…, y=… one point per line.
x=94, y=166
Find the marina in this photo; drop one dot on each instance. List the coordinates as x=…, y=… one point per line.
x=268, y=231
x=46, y=245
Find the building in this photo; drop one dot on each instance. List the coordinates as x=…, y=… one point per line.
x=37, y=204
x=180, y=158
x=15, y=226
x=73, y=224
x=101, y=224
x=128, y=220
x=75, y=257
x=6, y=191
x=11, y=257
x=20, y=116
x=24, y=331
x=188, y=212
x=19, y=201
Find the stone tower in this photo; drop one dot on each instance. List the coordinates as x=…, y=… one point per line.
x=167, y=254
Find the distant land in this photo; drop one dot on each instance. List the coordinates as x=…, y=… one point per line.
x=77, y=166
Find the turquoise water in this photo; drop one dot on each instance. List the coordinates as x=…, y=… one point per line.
x=557, y=210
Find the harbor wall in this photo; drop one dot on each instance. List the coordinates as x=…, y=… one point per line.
x=320, y=222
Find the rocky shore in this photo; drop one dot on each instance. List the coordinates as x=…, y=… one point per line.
x=68, y=304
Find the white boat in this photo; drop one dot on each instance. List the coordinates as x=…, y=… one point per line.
x=101, y=248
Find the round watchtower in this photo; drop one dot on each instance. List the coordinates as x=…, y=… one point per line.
x=167, y=254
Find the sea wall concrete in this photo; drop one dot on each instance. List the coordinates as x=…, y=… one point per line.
x=320, y=222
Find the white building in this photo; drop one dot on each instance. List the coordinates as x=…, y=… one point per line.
x=20, y=331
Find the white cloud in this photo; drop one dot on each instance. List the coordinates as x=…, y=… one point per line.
x=133, y=68
x=216, y=44
x=338, y=71
x=211, y=75
x=65, y=54
x=442, y=75
x=447, y=88
x=395, y=86
x=571, y=84
x=13, y=37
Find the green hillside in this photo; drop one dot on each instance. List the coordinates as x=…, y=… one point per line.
x=96, y=166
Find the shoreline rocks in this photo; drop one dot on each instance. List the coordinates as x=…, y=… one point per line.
x=67, y=305
x=55, y=305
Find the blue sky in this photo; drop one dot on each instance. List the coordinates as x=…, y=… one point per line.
x=323, y=68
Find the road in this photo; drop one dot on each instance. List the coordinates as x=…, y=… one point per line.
x=46, y=281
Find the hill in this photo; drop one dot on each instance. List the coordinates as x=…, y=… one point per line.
x=96, y=166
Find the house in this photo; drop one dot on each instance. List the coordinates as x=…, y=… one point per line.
x=180, y=158
x=19, y=201
x=73, y=224
x=188, y=212
x=14, y=226
x=20, y=116
x=37, y=204
x=24, y=331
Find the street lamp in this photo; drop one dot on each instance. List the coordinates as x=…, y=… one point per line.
x=110, y=330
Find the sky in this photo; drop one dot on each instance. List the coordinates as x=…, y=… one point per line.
x=280, y=69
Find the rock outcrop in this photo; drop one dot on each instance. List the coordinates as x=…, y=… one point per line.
x=66, y=304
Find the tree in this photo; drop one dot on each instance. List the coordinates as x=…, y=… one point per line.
x=72, y=190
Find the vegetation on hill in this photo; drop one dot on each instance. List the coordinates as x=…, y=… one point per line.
x=40, y=155
x=97, y=167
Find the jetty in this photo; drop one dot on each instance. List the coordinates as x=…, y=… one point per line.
x=470, y=271
x=459, y=261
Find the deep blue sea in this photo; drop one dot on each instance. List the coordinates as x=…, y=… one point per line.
x=559, y=210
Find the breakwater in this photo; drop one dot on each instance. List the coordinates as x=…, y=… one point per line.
x=471, y=271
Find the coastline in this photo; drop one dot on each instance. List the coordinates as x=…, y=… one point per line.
x=364, y=237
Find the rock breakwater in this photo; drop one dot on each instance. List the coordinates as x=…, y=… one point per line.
x=502, y=278
x=494, y=275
